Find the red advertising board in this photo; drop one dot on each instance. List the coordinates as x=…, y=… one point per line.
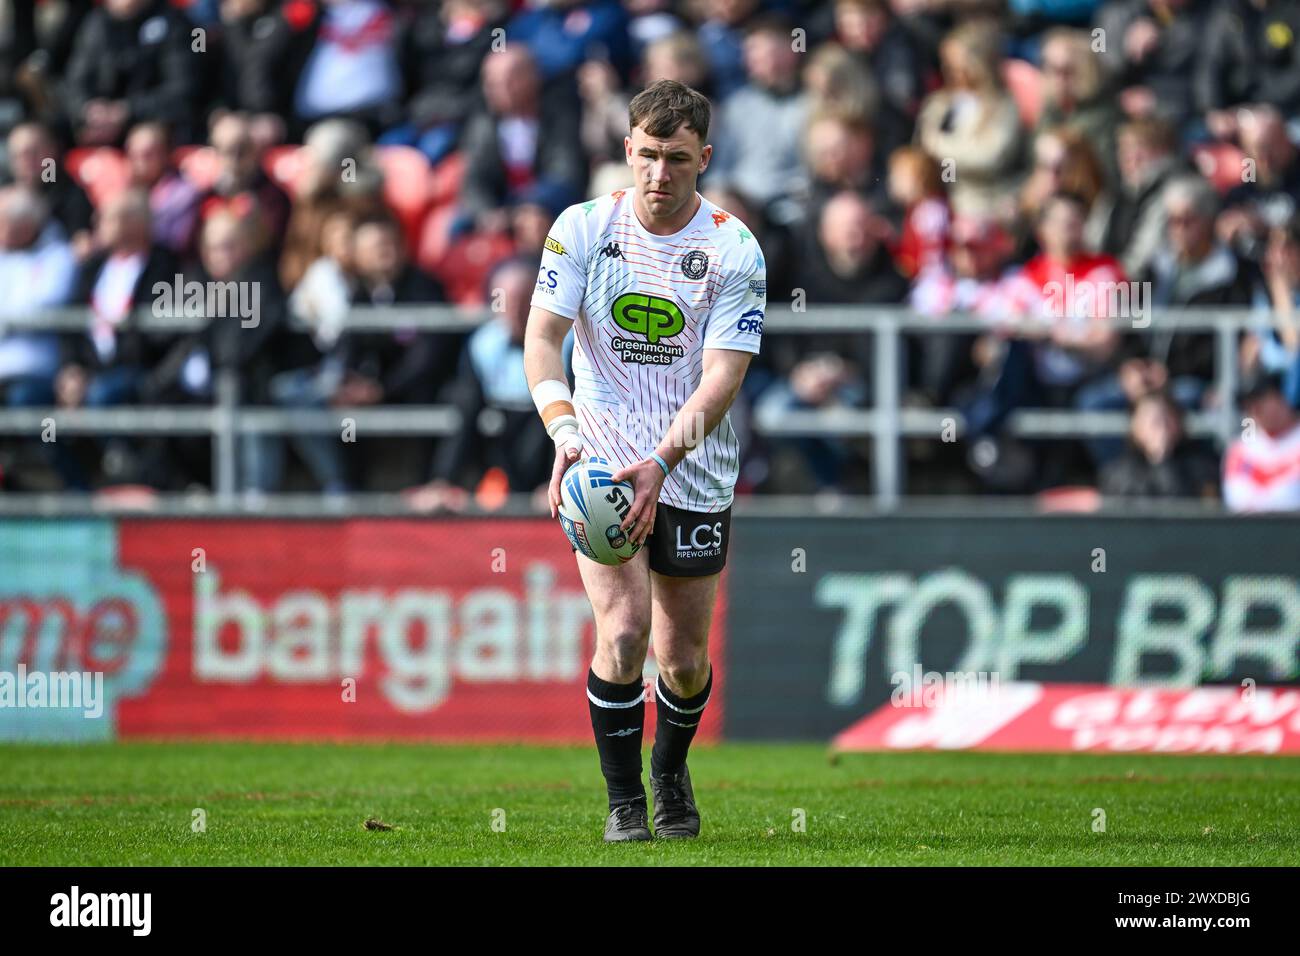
x=442, y=630
x=1029, y=717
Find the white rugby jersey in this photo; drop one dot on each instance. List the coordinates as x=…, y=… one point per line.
x=645, y=308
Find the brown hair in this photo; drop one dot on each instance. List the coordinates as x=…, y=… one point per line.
x=922, y=165
x=663, y=106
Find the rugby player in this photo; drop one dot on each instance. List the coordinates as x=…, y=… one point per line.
x=665, y=293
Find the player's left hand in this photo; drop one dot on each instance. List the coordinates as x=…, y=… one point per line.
x=647, y=480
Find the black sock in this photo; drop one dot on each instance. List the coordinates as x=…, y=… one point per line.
x=618, y=720
x=675, y=723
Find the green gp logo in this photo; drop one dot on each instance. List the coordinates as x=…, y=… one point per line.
x=648, y=315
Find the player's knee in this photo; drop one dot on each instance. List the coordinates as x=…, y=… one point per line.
x=625, y=650
x=685, y=675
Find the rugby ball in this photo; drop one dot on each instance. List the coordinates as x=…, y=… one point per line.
x=592, y=508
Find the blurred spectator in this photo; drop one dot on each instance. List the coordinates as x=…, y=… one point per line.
x=562, y=34
x=1064, y=161
x=840, y=84
x=973, y=123
x=1159, y=461
x=533, y=213
x=1248, y=54
x=354, y=67
x=838, y=151
x=240, y=173
x=173, y=199
x=1270, y=185
x=1152, y=49
x=847, y=260
x=103, y=366
x=969, y=278
x=245, y=336
x=722, y=33
x=132, y=63
x=521, y=138
x=321, y=303
x=338, y=172
x=37, y=271
x=1147, y=161
x=264, y=45
x=761, y=126
x=1261, y=469
x=916, y=186
x=822, y=381
x=1274, y=346
x=399, y=367
x=869, y=29
x=500, y=427
x=1065, y=295
x=678, y=56
x=450, y=46
x=36, y=163
x=1193, y=270
x=1075, y=96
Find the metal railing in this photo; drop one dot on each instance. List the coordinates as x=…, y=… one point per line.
x=886, y=423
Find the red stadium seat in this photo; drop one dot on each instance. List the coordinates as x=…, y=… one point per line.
x=435, y=238
x=101, y=171
x=465, y=267
x=1024, y=82
x=406, y=186
x=284, y=164
x=199, y=164
x=1220, y=163
x=445, y=180
x=1069, y=498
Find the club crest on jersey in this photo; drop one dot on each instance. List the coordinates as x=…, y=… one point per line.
x=695, y=264
x=654, y=317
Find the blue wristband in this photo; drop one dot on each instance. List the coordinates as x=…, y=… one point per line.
x=662, y=464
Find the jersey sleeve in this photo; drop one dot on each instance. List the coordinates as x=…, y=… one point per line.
x=562, y=279
x=736, y=319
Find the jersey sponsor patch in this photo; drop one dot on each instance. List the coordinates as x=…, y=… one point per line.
x=554, y=246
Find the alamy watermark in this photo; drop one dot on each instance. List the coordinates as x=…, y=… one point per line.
x=214, y=300
x=917, y=688
x=64, y=690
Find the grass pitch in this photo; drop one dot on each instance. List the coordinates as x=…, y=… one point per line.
x=134, y=803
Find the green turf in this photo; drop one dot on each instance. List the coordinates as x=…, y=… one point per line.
x=306, y=804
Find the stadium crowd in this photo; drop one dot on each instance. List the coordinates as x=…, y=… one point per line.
x=947, y=155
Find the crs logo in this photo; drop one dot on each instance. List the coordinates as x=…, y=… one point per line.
x=698, y=544
x=748, y=324
x=547, y=280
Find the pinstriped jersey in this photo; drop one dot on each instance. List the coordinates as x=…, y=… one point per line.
x=645, y=308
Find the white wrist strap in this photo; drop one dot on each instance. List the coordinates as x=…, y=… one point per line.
x=554, y=403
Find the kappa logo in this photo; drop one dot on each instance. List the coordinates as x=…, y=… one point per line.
x=720, y=217
x=625, y=732
x=612, y=251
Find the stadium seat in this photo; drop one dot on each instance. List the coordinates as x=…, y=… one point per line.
x=1024, y=82
x=283, y=164
x=465, y=267
x=1069, y=498
x=199, y=164
x=407, y=184
x=1220, y=163
x=101, y=171
x=445, y=180
x=435, y=238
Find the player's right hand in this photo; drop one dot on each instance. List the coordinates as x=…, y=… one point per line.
x=564, y=457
